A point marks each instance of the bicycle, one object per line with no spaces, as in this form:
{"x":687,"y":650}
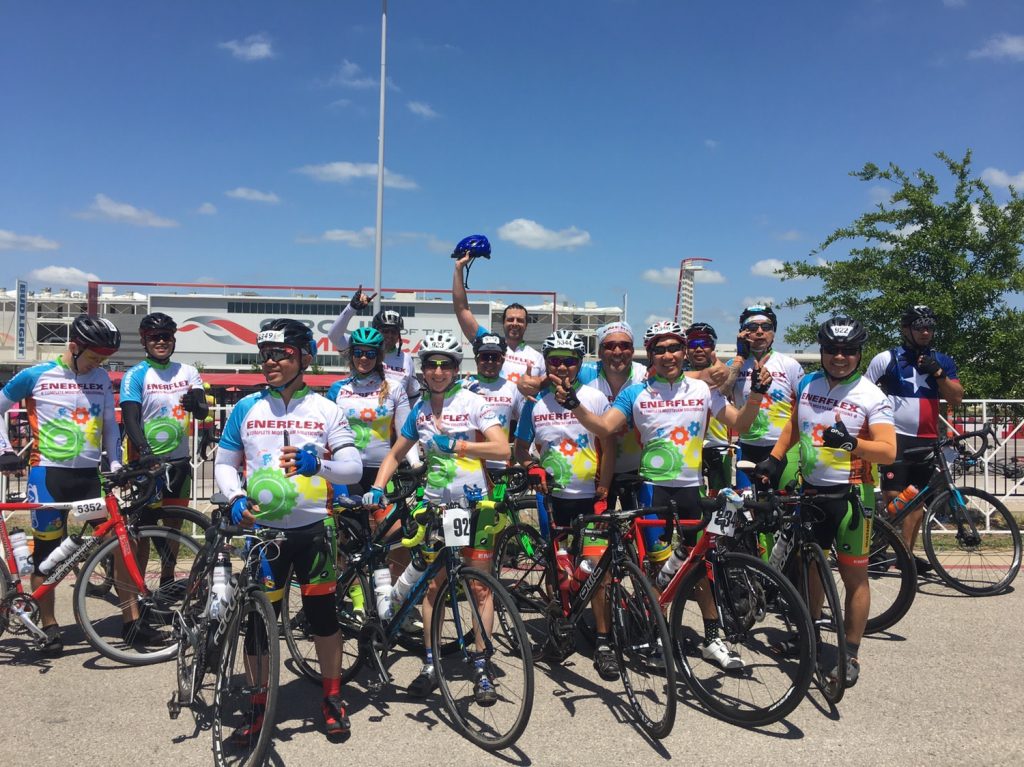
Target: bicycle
{"x":139,"y":550}
{"x":971,"y":539}
{"x":235,"y":639}
{"x":460,"y":647}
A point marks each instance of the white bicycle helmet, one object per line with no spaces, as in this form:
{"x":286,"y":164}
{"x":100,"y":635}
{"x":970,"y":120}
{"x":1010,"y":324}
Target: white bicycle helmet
{"x":664,"y":328}
{"x":564,"y":340}
{"x":440,"y":343}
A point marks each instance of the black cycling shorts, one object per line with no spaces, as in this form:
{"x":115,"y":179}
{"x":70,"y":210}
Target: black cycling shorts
{"x":687,"y":500}
{"x":898,"y":475}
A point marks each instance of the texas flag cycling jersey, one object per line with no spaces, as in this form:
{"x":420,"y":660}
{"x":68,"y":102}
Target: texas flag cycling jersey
{"x":256,"y":429}
{"x":518,"y":359}
{"x":914,"y":395}
{"x":72,"y":416}
{"x":464,"y":416}
{"x":627,"y":441}
{"x":860,"y":404}
{"x":777,"y":404}
{"x":158,"y":388}
{"x":671,"y":418}
{"x":566,"y":448}
{"x":372,"y":408}
{"x":505,"y":400}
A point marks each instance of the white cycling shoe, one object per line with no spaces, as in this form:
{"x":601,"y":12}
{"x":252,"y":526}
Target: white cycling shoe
{"x":718,"y":651}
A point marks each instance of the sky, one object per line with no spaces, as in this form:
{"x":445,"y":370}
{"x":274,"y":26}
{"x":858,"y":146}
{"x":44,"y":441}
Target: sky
{"x":595,"y":142}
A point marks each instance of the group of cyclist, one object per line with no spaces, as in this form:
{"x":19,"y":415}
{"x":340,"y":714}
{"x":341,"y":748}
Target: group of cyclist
{"x":583,"y":430}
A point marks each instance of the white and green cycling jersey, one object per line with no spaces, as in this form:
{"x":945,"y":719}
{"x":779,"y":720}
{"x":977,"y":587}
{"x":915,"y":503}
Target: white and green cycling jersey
{"x":158,"y":388}
{"x":628,"y":450}
{"x":373,"y":410}
{"x":777,"y":404}
{"x":504,"y":398}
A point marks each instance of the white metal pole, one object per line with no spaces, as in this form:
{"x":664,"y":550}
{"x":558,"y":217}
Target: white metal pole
{"x":379,"y":244}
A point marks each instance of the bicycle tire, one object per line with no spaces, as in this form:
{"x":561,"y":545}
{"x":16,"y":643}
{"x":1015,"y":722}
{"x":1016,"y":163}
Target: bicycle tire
{"x":5,"y":580}
{"x":251,"y":632}
{"x":639,"y":637}
{"x":100,"y":616}
{"x":829,"y":659}
{"x":758,"y":612}
{"x":978,"y":566}
{"x":193,"y":630}
{"x":350,"y":622}
{"x":505,"y":653}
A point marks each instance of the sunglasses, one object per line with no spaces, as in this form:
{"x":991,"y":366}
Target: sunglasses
{"x":767,"y":327}
{"x":276,"y":354}
{"x":157,"y":338}
{"x":489,"y":357}
{"x":666,"y":349}
{"x":439,"y":365}
{"x":565,"y":362}
{"x":617,"y":346}
{"x":370,"y":354}
{"x":700,"y":343}
{"x":846,"y":351}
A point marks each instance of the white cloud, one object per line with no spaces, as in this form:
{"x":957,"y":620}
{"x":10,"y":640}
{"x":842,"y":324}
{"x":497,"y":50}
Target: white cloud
{"x":68,"y":276}
{"x":711,"y":143}
{"x":351,"y":75}
{"x":253,"y":48}
{"x":709,"y":277}
{"x":207,"y":209}
{"x":650,"y":319}
{"x":361,"y":238}
{"x":767,"y":267}
{"x":343,"y":172}
{"x":104,"y":208}
{"x":666,"y":275}
{"x":11,"y":241}
{"x":530,"y":234}
{"x":433,"y":243}
{"x":997,"y":177}
{"x":790,"y":235}
{"x":756,"y":301}
{"x":422,"y":109}
{"x":1001,"y":46}
{"x":252,"y":195}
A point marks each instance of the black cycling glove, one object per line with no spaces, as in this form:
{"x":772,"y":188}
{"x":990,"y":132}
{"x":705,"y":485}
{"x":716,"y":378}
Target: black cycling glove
{"x":928,"y":365}
{"x":838,"y":438}
{"x":768,"y":471}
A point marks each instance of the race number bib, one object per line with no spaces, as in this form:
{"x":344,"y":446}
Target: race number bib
{"x":723,"y":522}
{"x":89,"y":511}
{"x":456,"y":527}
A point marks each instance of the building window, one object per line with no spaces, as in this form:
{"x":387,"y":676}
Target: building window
{"x":51,"y":333}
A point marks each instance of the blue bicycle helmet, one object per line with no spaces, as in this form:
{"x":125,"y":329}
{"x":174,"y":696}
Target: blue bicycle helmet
{"x":476,"y":245}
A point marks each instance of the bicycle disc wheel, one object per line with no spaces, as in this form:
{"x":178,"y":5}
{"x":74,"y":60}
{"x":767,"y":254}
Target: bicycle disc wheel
{"x":245,"y":695}
{"x":350,"y":598}
{"x":892,"y":576}
{"x":99,"y":613}
{"x":641,"y":642}
{"x":972,"y":541}
{"x":829,"y":630}
{"x":502,"y":655}
{"x":760,"y":612}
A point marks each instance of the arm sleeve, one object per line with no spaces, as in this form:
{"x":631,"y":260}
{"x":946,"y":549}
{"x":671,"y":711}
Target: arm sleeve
{"x":337,"y":334}
{"x":111,"y":432}
{"x":131,"y":417}
{"x":225,"y":472}
{"x":202,"y":406}
{"x":345,"y":466}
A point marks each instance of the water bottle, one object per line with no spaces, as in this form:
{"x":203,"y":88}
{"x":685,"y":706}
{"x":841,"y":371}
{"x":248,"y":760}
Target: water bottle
{"x":22,"y":555}
{"x":382,"y":589}
{"x":781,"y":548}
{"x":672,"y":564}
{"x":220,"y":594}
{"x":58,"y":555}
{"x":565,"y":570}
{"x":899,"y":503}
{"x":580,"y":576}
{"x":404,"y":584}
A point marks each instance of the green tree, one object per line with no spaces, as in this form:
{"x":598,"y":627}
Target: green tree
{"x":959,"y":253}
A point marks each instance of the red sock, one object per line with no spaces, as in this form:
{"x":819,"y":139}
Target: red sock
{"x":332,"y":686}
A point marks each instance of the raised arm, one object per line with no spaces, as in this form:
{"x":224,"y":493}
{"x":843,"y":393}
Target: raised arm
{"x":460,"y":301}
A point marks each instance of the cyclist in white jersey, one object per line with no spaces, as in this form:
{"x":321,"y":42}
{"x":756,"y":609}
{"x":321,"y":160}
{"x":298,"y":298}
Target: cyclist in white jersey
{"x":671,"y":411}
{"x":70,"y":405}
{"x":292,"y":445}
{"x":701,"y":339}
{"x":520,"y":359}
{"x":500,"y":393}
{"x":398,"y":364}
{"x":458,"y":431}
{"x":843,"y":424}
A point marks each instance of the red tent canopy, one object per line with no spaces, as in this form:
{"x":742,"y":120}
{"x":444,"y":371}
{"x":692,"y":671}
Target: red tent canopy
{"x":247,"y":380}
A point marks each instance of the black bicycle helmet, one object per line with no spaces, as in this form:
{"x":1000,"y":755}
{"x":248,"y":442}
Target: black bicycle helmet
{"x":842,"y":330}
{"x":919,"y":317}
{"x":388,"y":318}
{"x":698,"y":329}
{"x":756,"y":309}
{"x":489,"y":342}
{"x":157,"y":322}
{"x":95,"y":333}
{"x":289,"y":333}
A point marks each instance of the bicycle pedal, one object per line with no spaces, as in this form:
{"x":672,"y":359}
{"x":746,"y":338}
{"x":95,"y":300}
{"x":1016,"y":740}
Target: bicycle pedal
{"x":173,"y":707}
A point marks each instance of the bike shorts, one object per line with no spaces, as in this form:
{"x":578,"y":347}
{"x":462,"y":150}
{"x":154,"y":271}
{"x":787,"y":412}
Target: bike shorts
{"x":58,"y":485}
{"x":177,"y":491}
{"x":564,"y":510}
{"x":310,"y":553}
{"x":843,"y":522}
{"x":788,"y":469}
{"x":624,"y":493}
{"x":716,"y":465}
{"x":687,"y":500}
{"x":898,"y":475}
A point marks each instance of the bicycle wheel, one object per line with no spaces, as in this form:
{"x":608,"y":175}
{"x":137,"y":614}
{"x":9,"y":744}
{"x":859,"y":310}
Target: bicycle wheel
{"x":972,"y":541}
{"x":829,"y":630}
{"x":5,"y":580}
{"x":642,"y":646}
{"x":520,"y":565}
{"x":502,"y":654}
{"x":892,"y":575}
{"x":352,"y":592}
{"x":245,"y":695}
{"x":760,"y":611}
{"x":192,"y":631}
{"x":99,"y":614}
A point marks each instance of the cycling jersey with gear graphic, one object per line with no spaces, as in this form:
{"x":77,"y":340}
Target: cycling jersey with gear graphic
{"x":72,"y":416}
{"x":158,"y":388}
{"x":566,"y":448}
{"x":255,"y":434}
{"x":464,"y":416}
{"x":627,"y":440}
{"x":371,"y":417}
{"x":776,"y":405}
{"x":671,"y":418}
{"x":505,"y":400}
{"x":518,"y":358}
{"x":398,"y":365}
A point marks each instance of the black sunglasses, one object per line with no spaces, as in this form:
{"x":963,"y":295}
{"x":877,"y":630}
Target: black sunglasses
{"x":767,"y":327}
{"x":489,"y":357}
{"x":846,"y":351}
{"x":159,"y":337}
{"x":276,"y":353}
{"x":666,"y":349}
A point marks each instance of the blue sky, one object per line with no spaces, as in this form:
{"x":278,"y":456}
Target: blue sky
{"x":596,"y":143}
